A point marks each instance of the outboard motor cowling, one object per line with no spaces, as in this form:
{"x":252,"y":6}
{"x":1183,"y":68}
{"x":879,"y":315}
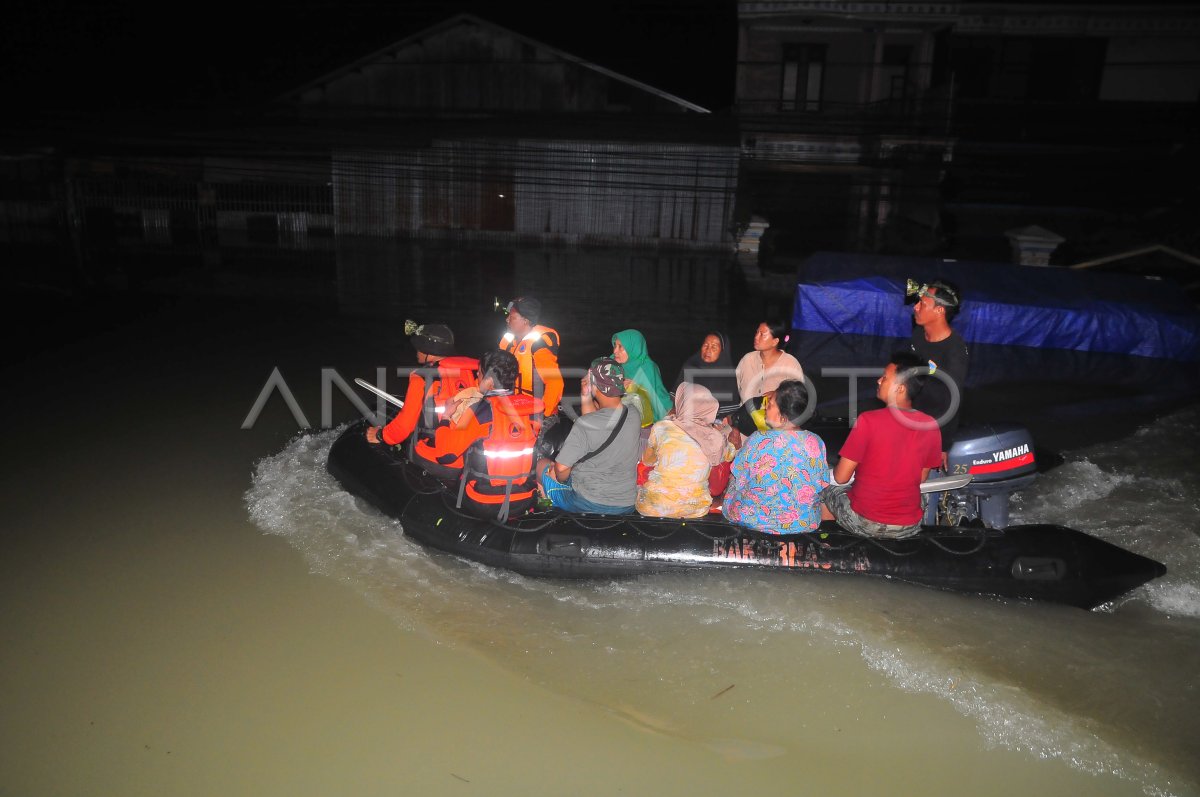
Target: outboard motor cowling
{"x":1001,"y":460}
{"x":992,"y":453}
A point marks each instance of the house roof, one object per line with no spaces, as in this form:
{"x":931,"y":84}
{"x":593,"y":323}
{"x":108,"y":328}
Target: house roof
{"x":471,"y":19}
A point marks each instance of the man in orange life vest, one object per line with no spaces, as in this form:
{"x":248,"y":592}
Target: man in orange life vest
{"x":499,"y":372}
{"x":440,"y":377}
{"x":536,"y":349}
{"x":495,"y":437}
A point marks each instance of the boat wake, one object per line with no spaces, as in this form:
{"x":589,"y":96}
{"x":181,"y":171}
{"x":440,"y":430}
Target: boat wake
{"x":721,"y":657}
{"x":1141,"y":493}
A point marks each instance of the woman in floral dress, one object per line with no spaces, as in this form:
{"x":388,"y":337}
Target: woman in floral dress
{"x":778,"y":474}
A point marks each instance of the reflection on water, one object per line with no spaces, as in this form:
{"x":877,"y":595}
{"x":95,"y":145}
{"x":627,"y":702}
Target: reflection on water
{"x":586,"y":293}
{"x":833,"y":676}
{"x":590,"y":293}
{"x":838,"y":683}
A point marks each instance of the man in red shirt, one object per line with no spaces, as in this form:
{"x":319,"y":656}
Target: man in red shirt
{"x":889,"y":453}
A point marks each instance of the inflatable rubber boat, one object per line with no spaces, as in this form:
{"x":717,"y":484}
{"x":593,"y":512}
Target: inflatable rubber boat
{"x":1037,"y":562}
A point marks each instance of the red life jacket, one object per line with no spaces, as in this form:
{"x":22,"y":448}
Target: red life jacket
{"x":498,"y":473}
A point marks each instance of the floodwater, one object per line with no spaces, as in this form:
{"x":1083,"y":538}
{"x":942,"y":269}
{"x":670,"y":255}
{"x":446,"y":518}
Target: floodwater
{"x":194,"y":607}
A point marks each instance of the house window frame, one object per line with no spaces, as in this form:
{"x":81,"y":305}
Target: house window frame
{"x":801,"y":86}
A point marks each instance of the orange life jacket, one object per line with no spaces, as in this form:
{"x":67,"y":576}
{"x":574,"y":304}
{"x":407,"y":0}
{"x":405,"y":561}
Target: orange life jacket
{"x":442,"y":383}
{"x":524,"y":349}
{"x":498,"y":472}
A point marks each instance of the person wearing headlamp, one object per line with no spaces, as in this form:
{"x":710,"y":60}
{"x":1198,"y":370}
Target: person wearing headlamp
{"x":536,"y":349}
{"x":439,"y":376}
{"x":933,"y":340}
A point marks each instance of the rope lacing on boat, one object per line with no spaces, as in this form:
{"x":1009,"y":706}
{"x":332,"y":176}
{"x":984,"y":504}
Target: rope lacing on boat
{"x":425,"y":484}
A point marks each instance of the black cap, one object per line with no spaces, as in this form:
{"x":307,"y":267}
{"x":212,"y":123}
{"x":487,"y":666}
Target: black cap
{"x":527,"y":306}
{"x":435,"y":339}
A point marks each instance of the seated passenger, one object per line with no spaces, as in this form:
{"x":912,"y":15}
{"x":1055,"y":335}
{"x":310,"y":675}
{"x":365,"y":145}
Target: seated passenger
{"x":889,"y":452}
{"x":762,"y":369}
{"x":712,"y":367}
{"x":493,"y":442}
{"x":439,"y":377}
{"x":778,"y":474}
{"x":682,"y":450}
{"x":642,"y":377}
{"x":596,"y":468}
{"x":469,"y":414}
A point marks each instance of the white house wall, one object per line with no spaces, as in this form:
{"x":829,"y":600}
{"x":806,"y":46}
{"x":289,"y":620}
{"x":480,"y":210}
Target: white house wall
{"x":564,"y":191}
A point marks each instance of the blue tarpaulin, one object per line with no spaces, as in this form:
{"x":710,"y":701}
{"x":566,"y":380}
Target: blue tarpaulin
{"x":1050,"y":308}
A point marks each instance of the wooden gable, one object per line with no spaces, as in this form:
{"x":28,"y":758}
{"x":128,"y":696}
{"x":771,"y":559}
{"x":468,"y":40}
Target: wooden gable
{"x":468,"y":65}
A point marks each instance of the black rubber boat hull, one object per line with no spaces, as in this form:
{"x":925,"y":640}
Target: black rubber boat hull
{"x":1037,"y":562}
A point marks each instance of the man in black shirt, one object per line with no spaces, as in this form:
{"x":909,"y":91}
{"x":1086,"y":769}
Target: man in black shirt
{"x":946,"y":352}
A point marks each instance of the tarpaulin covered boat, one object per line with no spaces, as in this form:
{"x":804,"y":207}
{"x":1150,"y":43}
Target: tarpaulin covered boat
{"x":1003,"y":304}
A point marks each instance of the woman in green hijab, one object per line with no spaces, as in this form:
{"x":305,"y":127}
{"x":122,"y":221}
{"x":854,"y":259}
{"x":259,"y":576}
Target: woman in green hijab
{"x":629,"y":349}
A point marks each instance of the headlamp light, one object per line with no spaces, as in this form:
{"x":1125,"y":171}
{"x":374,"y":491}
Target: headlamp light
{"x":913,"y":289}
{"x":943,"y":294}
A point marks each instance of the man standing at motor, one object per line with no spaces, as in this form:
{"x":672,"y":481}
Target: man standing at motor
{"x":935,"y":342}
{"x":536,"y":350}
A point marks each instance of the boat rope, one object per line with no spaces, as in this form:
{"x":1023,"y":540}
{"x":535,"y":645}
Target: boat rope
{"x":980,"y":539}
{"x":421,"y":482}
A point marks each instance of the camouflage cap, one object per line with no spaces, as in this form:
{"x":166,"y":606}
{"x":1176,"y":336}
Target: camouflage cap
{"x":608,"y":376}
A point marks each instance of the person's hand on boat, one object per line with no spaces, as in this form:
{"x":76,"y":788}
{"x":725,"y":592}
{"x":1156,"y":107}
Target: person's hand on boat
{"x":374,"y":434}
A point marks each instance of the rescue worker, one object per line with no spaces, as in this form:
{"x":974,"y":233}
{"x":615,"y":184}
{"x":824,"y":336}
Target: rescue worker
{"x":536,"y":349}
{"x":498,"y":377}
{"x":496,"y":437}
{"x":441,"y":376}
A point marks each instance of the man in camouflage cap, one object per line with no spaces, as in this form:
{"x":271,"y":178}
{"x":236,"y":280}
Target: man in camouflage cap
{"x":595,"y":471}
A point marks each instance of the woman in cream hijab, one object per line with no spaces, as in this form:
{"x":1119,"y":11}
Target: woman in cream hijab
{"x":682,"y":449}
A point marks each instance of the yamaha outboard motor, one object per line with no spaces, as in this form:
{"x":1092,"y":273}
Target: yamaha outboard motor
{"x":1000,"y":459}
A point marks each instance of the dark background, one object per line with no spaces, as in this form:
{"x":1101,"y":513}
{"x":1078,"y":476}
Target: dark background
{"x":69,"y":55}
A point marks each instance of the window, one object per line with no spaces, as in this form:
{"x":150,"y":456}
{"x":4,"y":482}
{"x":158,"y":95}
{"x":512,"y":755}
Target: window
{"x":803,"y":74}
{"x":896,"y":58}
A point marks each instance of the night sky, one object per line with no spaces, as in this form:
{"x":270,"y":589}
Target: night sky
{"x":67,"y":56}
